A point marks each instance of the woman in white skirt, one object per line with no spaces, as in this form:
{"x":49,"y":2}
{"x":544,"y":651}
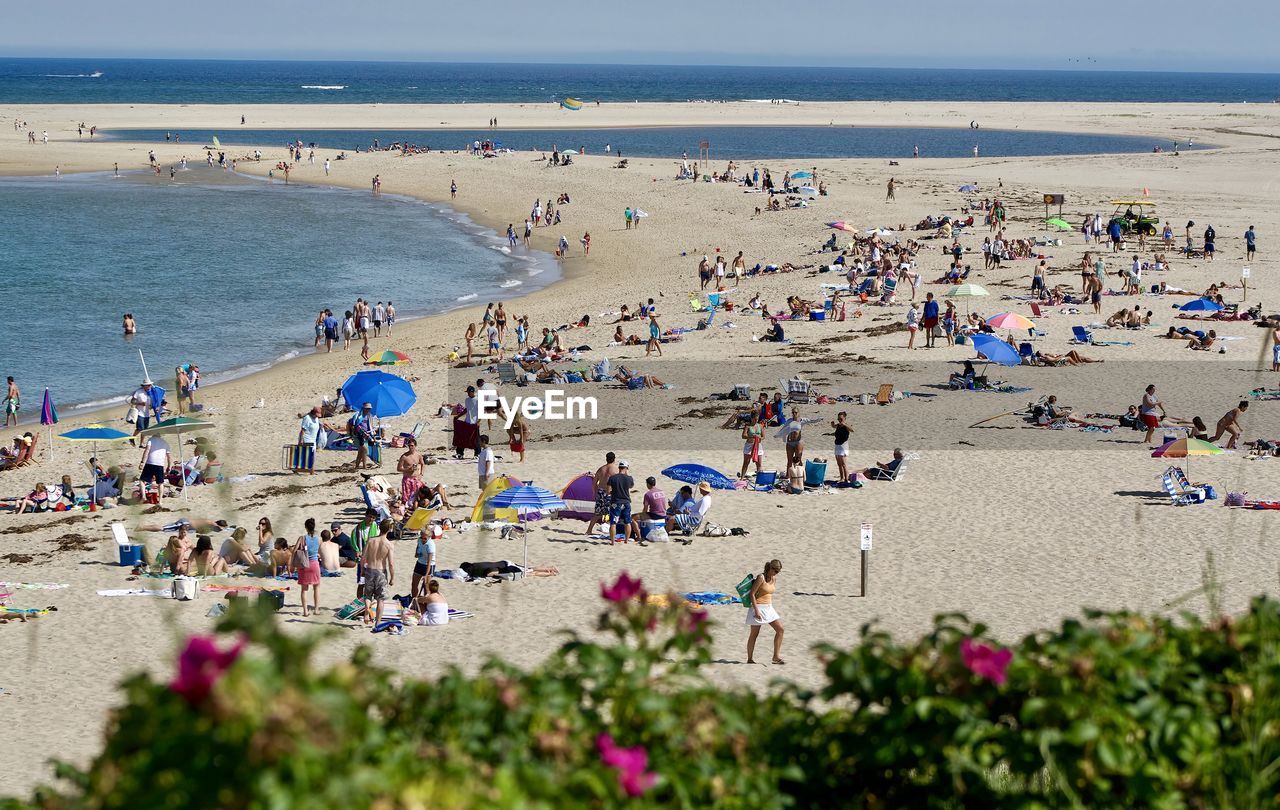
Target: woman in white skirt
{"x":762,"y":612}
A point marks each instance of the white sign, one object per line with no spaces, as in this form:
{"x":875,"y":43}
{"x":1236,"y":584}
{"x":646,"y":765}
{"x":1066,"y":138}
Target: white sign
{"x":1244,"y":272}
{"x":866,"y":537}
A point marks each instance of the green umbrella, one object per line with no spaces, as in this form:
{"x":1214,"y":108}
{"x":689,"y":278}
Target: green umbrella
{"x":968,"y":290}
{"x":1060,"y":224}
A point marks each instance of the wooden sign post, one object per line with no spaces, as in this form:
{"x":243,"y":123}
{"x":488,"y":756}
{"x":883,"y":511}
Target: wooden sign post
{"x":1244,"y":282}
{"x":864,"y":550}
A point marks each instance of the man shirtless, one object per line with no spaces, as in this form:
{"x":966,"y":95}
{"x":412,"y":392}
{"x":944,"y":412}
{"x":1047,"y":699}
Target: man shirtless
{"x":379,"y":571}
{"x":410,"y":467}
{"x":12,"y":401}
{"x":739,"y":269}
{"x":601,"y":483}
{"x":1230,"y":424}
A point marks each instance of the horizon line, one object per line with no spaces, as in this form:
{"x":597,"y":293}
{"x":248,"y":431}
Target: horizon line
{"x":461,"y":61}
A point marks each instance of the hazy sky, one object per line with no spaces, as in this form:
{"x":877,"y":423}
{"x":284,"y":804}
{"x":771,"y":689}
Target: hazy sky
{"x":1173,"y":35}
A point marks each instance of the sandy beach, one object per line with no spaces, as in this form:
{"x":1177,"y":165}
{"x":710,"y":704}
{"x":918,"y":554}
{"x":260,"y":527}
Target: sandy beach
{"x":1016,"y":525}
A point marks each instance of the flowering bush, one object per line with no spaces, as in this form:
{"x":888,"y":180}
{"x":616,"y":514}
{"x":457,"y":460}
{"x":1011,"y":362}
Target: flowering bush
{"x":1113,"y":710}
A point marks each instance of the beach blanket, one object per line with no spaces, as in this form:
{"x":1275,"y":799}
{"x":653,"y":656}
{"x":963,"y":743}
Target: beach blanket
{"x":161,"y":592}
{"x":13,"y":611}
{"x":33,"y":586}
{"x":242,"y":588}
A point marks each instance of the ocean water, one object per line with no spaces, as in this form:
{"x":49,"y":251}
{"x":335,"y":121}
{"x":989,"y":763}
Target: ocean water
{"x":169,"y":81}
{"x":221,"y":271}
{"x":743,"y":143}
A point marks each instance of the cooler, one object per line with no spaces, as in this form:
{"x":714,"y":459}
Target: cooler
{"x":130,"y":555}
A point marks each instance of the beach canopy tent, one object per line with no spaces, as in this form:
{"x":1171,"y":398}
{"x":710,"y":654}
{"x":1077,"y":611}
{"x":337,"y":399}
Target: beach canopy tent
{"x":579,"y":496}
{"x":995,"y":350}
{"x":697,"y":473}
{"x":485,"y":511}
{"x":1200,"y":305}
{"x":388,"y":394}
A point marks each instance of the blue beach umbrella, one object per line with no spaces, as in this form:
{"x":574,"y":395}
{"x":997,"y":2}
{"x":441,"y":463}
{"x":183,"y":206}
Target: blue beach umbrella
{"x":797,"y":175}
{"x":388,"y":394}
{"x":529,"y":502}
{"x":94,"y":434}
{"x":996,"y":350}
{"x":697,"y":473}
{"x":1200,"y":305}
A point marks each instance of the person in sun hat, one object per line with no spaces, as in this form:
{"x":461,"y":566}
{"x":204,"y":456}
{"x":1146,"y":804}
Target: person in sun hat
{"x":693,"y":513}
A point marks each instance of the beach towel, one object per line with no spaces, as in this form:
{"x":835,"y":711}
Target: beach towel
{"x":164,"y":593}
{"x":32,"y":586}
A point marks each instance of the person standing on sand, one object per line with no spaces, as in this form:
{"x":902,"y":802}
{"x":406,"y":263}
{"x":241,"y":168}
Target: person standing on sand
{"x":528,"y":231}
{"x":889,"y":196}
{"x":360,"y":429}
{"x":655,"y":336}
{"x":1147,"y":412}
{"x":379,"y":571}
{"x":1275,"y":348}
{"x":391,"y":317}
{"x":326,"y":167}
{"x":930,"y":319}
{"x":762,"y":611}
{"x":453,"y":189}
{"x":1250,"y":244}
{"x":306,"y":557}
{"x":601,"y":483}
{"x":752,"y":447}
{"x":518,"y":435}
{"x":410,"y":468}
{"x":842,"y":445}
{"x":485,"y":467}
{"x":12,"y":401}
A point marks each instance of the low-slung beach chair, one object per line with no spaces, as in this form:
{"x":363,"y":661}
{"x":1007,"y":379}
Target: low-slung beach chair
{"x":798,"y":390}
{"x":1179,"y":489}
{"x":507,"y":374}
{"x":885,"y":395}
{"x":879,"y":474}
{"x":1027,"y":354}
{"x":1037,"y":311}
{"x":1081,"y":335}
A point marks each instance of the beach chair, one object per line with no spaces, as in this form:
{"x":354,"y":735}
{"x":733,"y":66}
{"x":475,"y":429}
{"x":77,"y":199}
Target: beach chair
{"x":416,"y":433}
{"x":380,"y":508}
{"x":888,"y":289}
{"x":1027,"y":354}
{"x":20,"y":459}
{"x":885,"y":395}
{"x":1180,"y":493}
{"x":765,"y":481}
{"x":798,"y":390}
{"x":507,"y":374}
{"x":30,"y":457}
{"x":1081,"y":335}
{"x":1037,"y":311}
{"x":815,"y":473}
{"x":877,"y":474}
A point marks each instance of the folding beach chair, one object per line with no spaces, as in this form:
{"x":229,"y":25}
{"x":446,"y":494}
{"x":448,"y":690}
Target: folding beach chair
{"x":877,"y":474}
{"x":507,"y":374}
{"x":1027,"y":354}
{"x":885,"y":395}
{"x":765,"y":481}
{"x":1081,"y":335}
{"x":1180,"y":494}
{"x":798,"y":390}
{"x":1037,"y":311}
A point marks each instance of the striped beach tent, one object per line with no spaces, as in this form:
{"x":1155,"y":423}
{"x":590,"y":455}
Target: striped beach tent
{"x":571,"y":104}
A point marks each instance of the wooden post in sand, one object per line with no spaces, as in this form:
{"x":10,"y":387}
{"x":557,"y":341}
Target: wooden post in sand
{"x":1244,"y":282}
{"x":864,"y":551}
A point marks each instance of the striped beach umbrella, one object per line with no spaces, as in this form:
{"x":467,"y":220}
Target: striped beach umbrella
{"x":388,"y":357}
{"x":527,"y":500}
{"x":48,"y":418}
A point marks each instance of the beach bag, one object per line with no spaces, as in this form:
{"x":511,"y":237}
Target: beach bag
{"x":1235,"y":499}
{"x":131,"y":415}
{"x":714,"y":530}
{"x":658,"y":534}
{"x":744,"y":589}
{"x":184,"y":589}
{"x":273,"y":598}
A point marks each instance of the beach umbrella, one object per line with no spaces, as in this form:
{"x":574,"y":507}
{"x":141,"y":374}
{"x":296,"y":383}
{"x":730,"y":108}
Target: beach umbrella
{"x":1185,"y":448}
{"x":1200,"y":305}
{"x":841,"y":225}
{"x":94,"y":434}
{"x":638,"y":214}
{"x":388,"y":357}
{"x":883,"y":233}
{"x":969,"y":188}
{"x":798,"y":175}
{"x":1060,"y":224}
{"x":1010,"y":320}
{"x":995,"y":350}
{"x":388,"y":394}
{"x":177,"y":425}
{"x":697,"y":473}
{"x":966,"y":291}
{"x":809,"y":190}
{"x":571,"y":104}
{"x":48,"y":418}
{"x":528,"y":501}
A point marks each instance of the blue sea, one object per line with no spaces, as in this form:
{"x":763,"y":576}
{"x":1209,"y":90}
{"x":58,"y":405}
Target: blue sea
{"x":221,"y":271}
{"x":738,"y":143}
{"x":168,"y":81}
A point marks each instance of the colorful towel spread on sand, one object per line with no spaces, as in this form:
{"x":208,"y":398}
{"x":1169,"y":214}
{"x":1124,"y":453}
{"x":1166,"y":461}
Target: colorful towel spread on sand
{"x":13,"y":611}
{"x":693,"y":599}
{"x":33,"y":586}
{"x":160,"y":592}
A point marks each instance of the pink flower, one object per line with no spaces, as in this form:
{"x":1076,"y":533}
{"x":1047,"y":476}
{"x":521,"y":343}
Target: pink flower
{"x":986,"y":661}
{"x":630,"y":763}
{"x":623,"y":589}
{"x":200,"y":666}
{"x":695,"y":622}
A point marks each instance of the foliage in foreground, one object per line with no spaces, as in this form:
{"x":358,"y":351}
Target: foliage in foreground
{"x":1112,"y":710}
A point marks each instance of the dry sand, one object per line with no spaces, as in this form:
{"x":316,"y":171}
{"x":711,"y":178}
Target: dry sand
{"x":1014,"y":525}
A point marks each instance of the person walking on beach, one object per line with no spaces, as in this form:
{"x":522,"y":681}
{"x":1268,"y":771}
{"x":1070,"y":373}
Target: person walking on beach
{"x":762,"y":611}
{"x":306,"y":558}
{"x":485,"y":467}
{"x":1275,"y":348}
{"x":1147,"y":412}
{"x":655,"y":336}
{"x":889,"y":196}
{"x":586,"y":244}
{"x":1230,"y":424}
{"x":391,"y":317}
{"x":1250,"y":244}
{"x":528,"y":231}
{"x":309,"y":438}
{"x":326,"y":167}
{"x":12,"y":401}
{"x":453,"y":189}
